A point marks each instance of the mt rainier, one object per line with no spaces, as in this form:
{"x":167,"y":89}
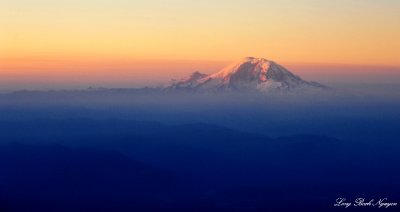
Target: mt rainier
{"x":247,"y":74}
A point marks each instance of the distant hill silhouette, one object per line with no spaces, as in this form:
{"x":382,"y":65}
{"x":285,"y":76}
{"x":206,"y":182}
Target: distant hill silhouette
{"x":121,"y":165}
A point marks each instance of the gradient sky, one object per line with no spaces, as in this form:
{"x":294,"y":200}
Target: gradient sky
{"x":122,"y":41}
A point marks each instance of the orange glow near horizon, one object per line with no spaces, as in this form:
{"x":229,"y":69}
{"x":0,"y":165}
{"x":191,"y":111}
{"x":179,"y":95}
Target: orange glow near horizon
{"x":155,"y":39}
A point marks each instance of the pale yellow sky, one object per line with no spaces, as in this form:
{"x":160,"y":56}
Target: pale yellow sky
{"x":42,"y":36}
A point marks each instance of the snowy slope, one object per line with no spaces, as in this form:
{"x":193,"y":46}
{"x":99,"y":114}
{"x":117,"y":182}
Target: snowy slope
{"x":247,"y":74}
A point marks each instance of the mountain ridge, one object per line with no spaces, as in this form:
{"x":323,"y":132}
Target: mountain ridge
{"x":249,"y":73}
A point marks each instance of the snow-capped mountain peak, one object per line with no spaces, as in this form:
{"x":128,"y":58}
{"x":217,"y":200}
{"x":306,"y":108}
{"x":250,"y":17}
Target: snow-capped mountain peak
{"x":249,"y":73}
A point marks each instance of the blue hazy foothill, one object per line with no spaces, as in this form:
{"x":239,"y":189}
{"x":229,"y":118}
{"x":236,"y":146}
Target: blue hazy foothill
{"x":152,"y":150}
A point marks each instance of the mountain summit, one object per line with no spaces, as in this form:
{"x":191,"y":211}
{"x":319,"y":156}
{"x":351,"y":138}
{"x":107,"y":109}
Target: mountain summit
{"x":250,"y":73}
